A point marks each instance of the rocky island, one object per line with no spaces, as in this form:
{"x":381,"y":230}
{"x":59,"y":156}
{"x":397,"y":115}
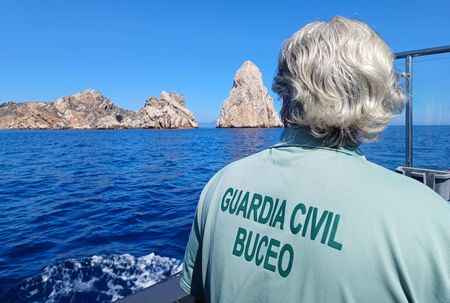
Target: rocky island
{"x":91,"y":110}
{"x":249,"y":103}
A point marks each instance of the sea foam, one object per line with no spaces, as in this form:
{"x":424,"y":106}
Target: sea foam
{"x":97,"y":278}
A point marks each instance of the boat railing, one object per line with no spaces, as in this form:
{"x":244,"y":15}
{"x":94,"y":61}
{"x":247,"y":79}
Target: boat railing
{"x":408,"y":75}
{"x":439,"y":181}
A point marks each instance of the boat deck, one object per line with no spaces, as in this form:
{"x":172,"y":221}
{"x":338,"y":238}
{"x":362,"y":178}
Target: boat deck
{"x":164,"y":292}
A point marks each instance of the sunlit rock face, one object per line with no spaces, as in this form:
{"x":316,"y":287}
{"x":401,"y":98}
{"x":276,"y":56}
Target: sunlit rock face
{"x":30,"y":115}
{"x":249,"y":103}
{"x":91,"y":110}
{"x":168,"y":111}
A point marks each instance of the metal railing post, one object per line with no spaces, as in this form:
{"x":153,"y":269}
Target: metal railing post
{"x":409,"y":112}
{"x":408,"y":55}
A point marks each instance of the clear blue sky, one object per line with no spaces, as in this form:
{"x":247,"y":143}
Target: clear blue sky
{"x":130,"y":50}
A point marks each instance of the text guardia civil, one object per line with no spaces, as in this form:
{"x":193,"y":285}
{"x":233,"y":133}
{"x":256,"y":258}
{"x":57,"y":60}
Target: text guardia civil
{"x":266,"y":251}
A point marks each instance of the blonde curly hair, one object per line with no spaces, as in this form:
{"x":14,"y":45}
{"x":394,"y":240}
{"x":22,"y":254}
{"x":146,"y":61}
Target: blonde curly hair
{"x":336,"y":78}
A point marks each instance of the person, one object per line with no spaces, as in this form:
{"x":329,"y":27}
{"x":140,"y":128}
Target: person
{"x":310,"y":219}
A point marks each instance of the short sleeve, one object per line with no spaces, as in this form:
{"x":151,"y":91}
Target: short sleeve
{"x":191,"y":278}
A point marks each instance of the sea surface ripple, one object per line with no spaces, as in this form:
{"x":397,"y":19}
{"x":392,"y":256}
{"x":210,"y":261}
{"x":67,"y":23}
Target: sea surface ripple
{"x":95,"y":215}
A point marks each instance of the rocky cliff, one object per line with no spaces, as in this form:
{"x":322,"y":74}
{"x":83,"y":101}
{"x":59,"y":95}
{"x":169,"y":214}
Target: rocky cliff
{"x":249,"y":103}
{"x":91,"y":110}
{"x":32,"y":115}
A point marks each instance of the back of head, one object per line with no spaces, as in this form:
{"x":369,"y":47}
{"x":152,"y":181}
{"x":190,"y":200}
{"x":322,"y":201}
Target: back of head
{"x":337,"y":79}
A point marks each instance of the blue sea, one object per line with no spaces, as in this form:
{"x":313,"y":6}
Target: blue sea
{"x":95,"y":215}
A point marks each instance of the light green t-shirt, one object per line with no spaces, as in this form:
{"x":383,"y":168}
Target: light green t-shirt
{"x":300,"y":222}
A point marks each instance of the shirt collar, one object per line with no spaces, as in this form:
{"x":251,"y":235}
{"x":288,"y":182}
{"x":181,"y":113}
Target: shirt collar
{"x":300,"y":137}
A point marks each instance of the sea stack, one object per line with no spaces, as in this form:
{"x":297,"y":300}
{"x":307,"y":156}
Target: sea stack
{"x":168,"y":112}
{"x":249,"y":103}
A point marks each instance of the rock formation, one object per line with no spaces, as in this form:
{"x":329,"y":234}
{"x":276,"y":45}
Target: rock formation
{"x":91,"y":110}
{"x":167,"y":112}
{"x":249,"y":103}
{"x":32,"y":115}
